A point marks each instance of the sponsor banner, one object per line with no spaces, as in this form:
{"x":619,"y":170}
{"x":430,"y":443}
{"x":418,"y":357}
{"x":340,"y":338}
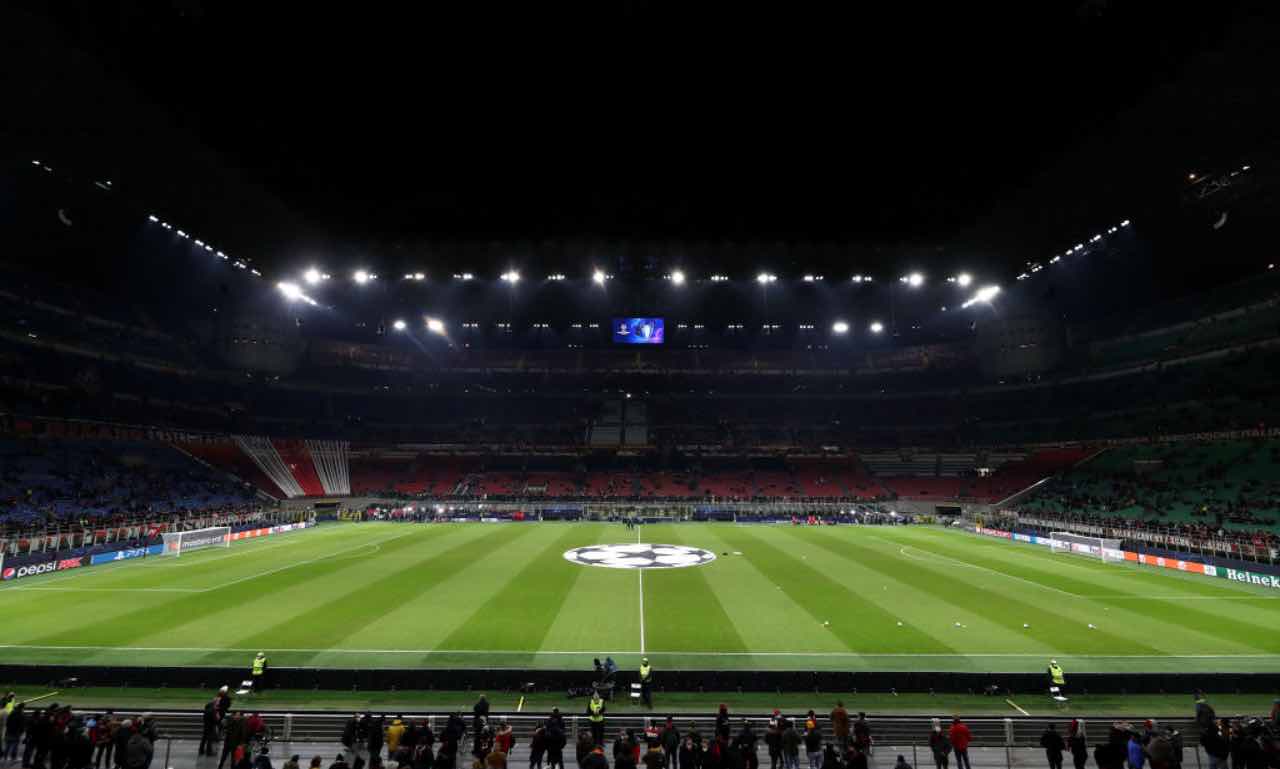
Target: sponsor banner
{"x":119,"y":555}
{"x":1024,"y":538}
{"x":248,"y":534}
{"x":193,"y":542}
{"x":994,"y":532}
{"x":1250,"y":578}
{"x":44,"y":567}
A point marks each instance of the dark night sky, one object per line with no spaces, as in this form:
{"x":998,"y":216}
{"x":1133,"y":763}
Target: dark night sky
{"x":996,"y":132}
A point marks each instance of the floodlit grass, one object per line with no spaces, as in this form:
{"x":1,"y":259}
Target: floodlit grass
{"x":473,"y":595}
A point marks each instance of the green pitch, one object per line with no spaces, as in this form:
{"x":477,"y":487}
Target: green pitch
{"x":776,"y":597}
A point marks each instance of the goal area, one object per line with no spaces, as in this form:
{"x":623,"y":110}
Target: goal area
{"x":178,"y":542}
{"x":1101,"y":548}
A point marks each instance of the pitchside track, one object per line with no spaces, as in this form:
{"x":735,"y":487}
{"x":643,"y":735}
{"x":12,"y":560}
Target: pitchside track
{"x":774,"y":597}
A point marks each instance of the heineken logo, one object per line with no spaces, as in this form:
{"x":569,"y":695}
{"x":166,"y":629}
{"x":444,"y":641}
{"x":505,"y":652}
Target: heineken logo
{"x":639,"y":556}
{"x":1265,"y":580}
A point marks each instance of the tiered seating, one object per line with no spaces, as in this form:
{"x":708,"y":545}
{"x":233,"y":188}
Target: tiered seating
{"x":227,"y":456}
{"x":48,"y":479}
{"x":298,"y":459}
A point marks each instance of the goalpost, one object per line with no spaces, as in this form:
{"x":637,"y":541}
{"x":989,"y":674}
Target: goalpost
{"x":178,"y":542}
{"x":1094,"y":547}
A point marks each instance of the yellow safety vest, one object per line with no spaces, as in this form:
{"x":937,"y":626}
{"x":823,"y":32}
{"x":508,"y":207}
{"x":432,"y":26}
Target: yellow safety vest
{"x":1055,"y":672}
{"x":597,"y":710}
{"x":259,"y":665}
{"x":644,"y":673}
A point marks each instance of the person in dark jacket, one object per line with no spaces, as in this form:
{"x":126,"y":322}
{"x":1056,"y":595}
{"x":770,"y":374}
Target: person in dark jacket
{"x":688,"y":758}
{"x":791,"y":742}
{"x":1077,"y":745}
{"x":902,"y":763}
{"x":1112,"y":753}
{"x":669,"y":738}
{"x":813,"y":745}
{"x":209,"y":729}
{"x":654,"y":758}
{"x":1215,"y":746}
{"x":79,"y":748}
{"x":745,"y":743}
{"x":121,"y":738}
{"x":537,"y":746}
{"x":595,"y":758}
{"x":939,"y":745}
{"x":624,"y":750}
{"x":479,"y":713}
{"x":233,"y":736}
{"x":1053,"y":746}
{"x":138,"y":751}
{"x":862,"y":734}
{"x":722,"y":722}
{"x":340,"y":763}
{"x":557,"y":738}
{"x":830,"y":758}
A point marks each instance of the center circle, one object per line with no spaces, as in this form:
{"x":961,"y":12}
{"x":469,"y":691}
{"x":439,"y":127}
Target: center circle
{"x":639,"y":556}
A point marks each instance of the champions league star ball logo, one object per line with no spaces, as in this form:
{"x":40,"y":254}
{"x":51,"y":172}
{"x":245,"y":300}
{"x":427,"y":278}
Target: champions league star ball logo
{"x":640,"y":556}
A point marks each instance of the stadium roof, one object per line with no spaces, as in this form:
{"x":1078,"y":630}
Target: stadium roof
{"x":989,"y":134}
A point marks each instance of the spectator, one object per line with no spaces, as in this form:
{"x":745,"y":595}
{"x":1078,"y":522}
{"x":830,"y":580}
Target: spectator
{"x":1137,"y":757}
{"x":670,"y":739}
{"x":654,"y":758}
{"x":960,"y":739}
{"x":1053,"y":746}
{"x":595,"y":758}
{"x":862,"y":734}
{"x":813,"y":743}
{"x":537,"y":746}
{"x":233,"y":736}
{"x":504,"y":739}
{"x":830,"y":759}
{"x":1077,"y":745}
{"x":902,"y":763}
{"x":556,"y":740}
{"x":773,"y":740}
{"x":688,"y":758}
{"x":1112,"y":753}
{"x":745,"y":747}
{"x":1215,"y":744}
{"x":840,"y":725}
{"x":139,"y":750}
{"x":292,"y":763}
{"x":722,"y":722}
{"x":395,"y":733}
{"x":939,"y":745}
{"x":791,"y":741}
{"x":340,"y":763}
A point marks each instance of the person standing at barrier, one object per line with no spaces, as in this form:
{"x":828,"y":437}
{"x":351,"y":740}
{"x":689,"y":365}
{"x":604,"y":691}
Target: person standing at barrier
{"x":773,"y":740}
{"x":688,"y":758}
{"x":1077,"y":744}
{"x":862,"y":733}
{"x":557,"y":738}
{"x":939,"y":745}
{"x":669,"y":737}
{"x":595,"y":713}
{"x":813,"y":743}
{"x":960,"y":739}
{"x":791,"y":741}
{"x":537,"y":746}
{"x":746,"y":745}
{"x":840,"y":725}
{"x":1053,"y":746}
{"x":104,"y":740}
{"x":15,"y":727}
{"x":208,"y":729}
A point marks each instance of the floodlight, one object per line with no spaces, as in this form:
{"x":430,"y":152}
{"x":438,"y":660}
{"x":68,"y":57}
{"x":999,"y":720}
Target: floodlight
{"x":291,"y":291}
{"x":840,"y":327}
{"x":915,"y":280}
{"x":876,"y":327}
{"x":399,"y":325}
{"x":361,"y":277}
{"x":511,"y":276}
{"x":964,"y":279}
{"x":677,"y":277}
{"x":435,"y":325}
{"x":153,"y":217}
{"x":765,"y":278}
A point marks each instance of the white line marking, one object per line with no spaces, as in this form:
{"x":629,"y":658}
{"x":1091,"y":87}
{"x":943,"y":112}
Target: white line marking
{"x":1014,"y":705}
{"x":640,"y":572}
{"x":903,"y":550}
{"x":329,"y":556}
{"x":111,"y":589}
{"x":532,"y":652}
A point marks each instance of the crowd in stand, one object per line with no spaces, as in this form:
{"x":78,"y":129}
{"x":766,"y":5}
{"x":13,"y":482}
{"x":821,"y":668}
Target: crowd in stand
{"x":56,"y":737}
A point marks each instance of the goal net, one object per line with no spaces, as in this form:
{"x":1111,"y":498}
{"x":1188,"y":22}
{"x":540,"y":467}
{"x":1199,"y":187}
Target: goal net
{"x":1094,"y":547}
{"x":178,"y":542}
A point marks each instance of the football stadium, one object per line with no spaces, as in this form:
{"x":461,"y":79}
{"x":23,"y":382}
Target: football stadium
{"x":601,"y":385}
